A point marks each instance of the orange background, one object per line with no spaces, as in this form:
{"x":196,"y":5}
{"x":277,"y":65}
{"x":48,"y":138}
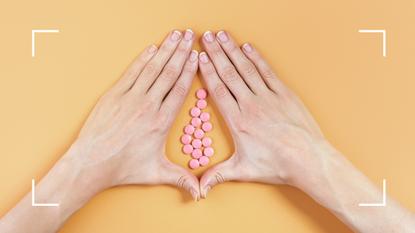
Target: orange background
{"x":363,"y":102}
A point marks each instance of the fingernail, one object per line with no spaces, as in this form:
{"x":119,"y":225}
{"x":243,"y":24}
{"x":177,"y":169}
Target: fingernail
{"x":188,"y":35}
{"x":207,"y":189}
{"x":203,"y":57}
{"x":222,"y":36}
{"x":247,"y":47}
{"x":209,"y":36}
{"x":175,"y":36}
{"x":152,"y":49}
{"x":193,"y":55}
{"x":194,"y":194}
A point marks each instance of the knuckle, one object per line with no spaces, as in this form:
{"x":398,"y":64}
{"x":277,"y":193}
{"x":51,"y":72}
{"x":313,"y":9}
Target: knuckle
{"x":181,"y":49}
{"x":233,"y":48}
{"x":220,"y":91}
{"x":229,"y":74}
{"x":219,"y":177}
{"x":130,"y":73}
{"x":208,"y":72}
{"x":217,"y":51}
{"x":248,"y":70}
{"x":150,"y":70}
{"x":239,"y":123}
{"x":165,"y":49}
{"x":181,"y":182}
{"x":160,"y":123}
{"x":169,"y":73}
{"x":269,"y":74}
{"x":179,"y":91}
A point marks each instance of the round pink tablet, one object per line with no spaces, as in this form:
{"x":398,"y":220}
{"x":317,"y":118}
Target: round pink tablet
{"x":189,"y":129}
{"x":199,"y":133}
{"x":196,"y":143}
{"x":208,"y":151}
{"x":186,"y":139}
{"x":194,"y":163}
{"x":201,"y":94}
{"x":197,"y":153}
{"x":187,"y":149}
{"x":195,"y":112}
{"x":196,"y":122}
{"x":202,"y":104}
{"x":204,"y":160}
{"x":207,"y":126}
{"x":207,"y":141}
{"x":205,"y":116}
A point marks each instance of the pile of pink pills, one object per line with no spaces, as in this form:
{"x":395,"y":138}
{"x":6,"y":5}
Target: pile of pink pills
{"x":193,"y":145}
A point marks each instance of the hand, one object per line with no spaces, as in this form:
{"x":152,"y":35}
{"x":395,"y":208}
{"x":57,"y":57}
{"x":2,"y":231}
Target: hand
{"x":124,"y":138}
{"x":276,"y":139}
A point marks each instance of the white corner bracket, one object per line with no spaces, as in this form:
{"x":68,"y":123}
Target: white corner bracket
{"x":384,"y":197}
{"x":39,"y":204}
{"x":33,"y":38}
{"x":378,"y":31}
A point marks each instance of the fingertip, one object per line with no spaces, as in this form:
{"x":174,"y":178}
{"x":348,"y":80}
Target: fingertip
{"x":152,"y":49}
{"x":247,"y":48}
{"x":203,"y":57}
{"x":194,"y":55}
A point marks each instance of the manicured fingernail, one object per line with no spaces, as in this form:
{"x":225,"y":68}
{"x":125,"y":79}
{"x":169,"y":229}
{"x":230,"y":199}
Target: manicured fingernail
{"x":152,"y":49}
{"x":175,"y":36}
{"x":207,"y":189}
{"x":209,"y":36}
{"x":247,"y":47}
{"x":222,"y":36}
{"x":194,"y":194}
{"x":203,"y":57}
{"x":188,"y":35}
{"x":193,"y":55}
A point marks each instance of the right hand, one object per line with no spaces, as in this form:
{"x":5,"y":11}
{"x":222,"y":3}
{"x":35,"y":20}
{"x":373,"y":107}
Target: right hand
{"x":276,"y":139}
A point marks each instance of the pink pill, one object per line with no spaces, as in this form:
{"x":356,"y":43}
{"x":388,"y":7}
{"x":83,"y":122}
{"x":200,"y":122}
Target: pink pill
{"x":186,"y":139}
{"x":201,"y":104}
{"x":187,"y":149}
{"x":196,"y":122}
{"x":197,"y":153}
{"x":206,"y":141}
{"x":194,"y":163}
{"x":189,"y":129}
{"x":201,"y":94}
{"x":199,"y":133}
{"x":207,"y":126}
{"x":204,"y":160}
{"x":195,"y":112}
{"x":205,"y":116}
{"x":208,"y":151}
{"x":196,"y":143}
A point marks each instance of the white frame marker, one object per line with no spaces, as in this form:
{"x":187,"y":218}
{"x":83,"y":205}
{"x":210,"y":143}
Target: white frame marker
{"x":33,"y":38}
{"x":33,"y":198}
{"x":384,"y":197}
{"x":378,"y":31}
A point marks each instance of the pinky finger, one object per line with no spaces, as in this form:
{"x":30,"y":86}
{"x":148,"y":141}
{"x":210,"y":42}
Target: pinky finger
{"x":264,"y":68}
{"x":129,"y":77}
{"x":178,"y":94}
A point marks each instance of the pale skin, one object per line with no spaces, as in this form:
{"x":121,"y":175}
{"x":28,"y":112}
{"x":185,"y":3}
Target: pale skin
{"x":276,"y":140}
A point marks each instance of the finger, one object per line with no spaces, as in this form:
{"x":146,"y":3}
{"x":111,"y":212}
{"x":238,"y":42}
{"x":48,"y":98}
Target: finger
{"x":130,"y":75}
{"x":267,"y":73}
{"x":173,"y":67}
{"x":244,"y":66}
{"x":220,"y":93}
{"x":175,"y":99}
{"x":153,"y":68}
{"x":224,"y":67}
{"x":181,"y":177}
{"x":225,"y":171}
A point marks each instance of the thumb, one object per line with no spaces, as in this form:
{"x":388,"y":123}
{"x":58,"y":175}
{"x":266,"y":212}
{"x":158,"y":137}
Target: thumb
{"x":179,"y":176}
{"x":219,"y":173}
